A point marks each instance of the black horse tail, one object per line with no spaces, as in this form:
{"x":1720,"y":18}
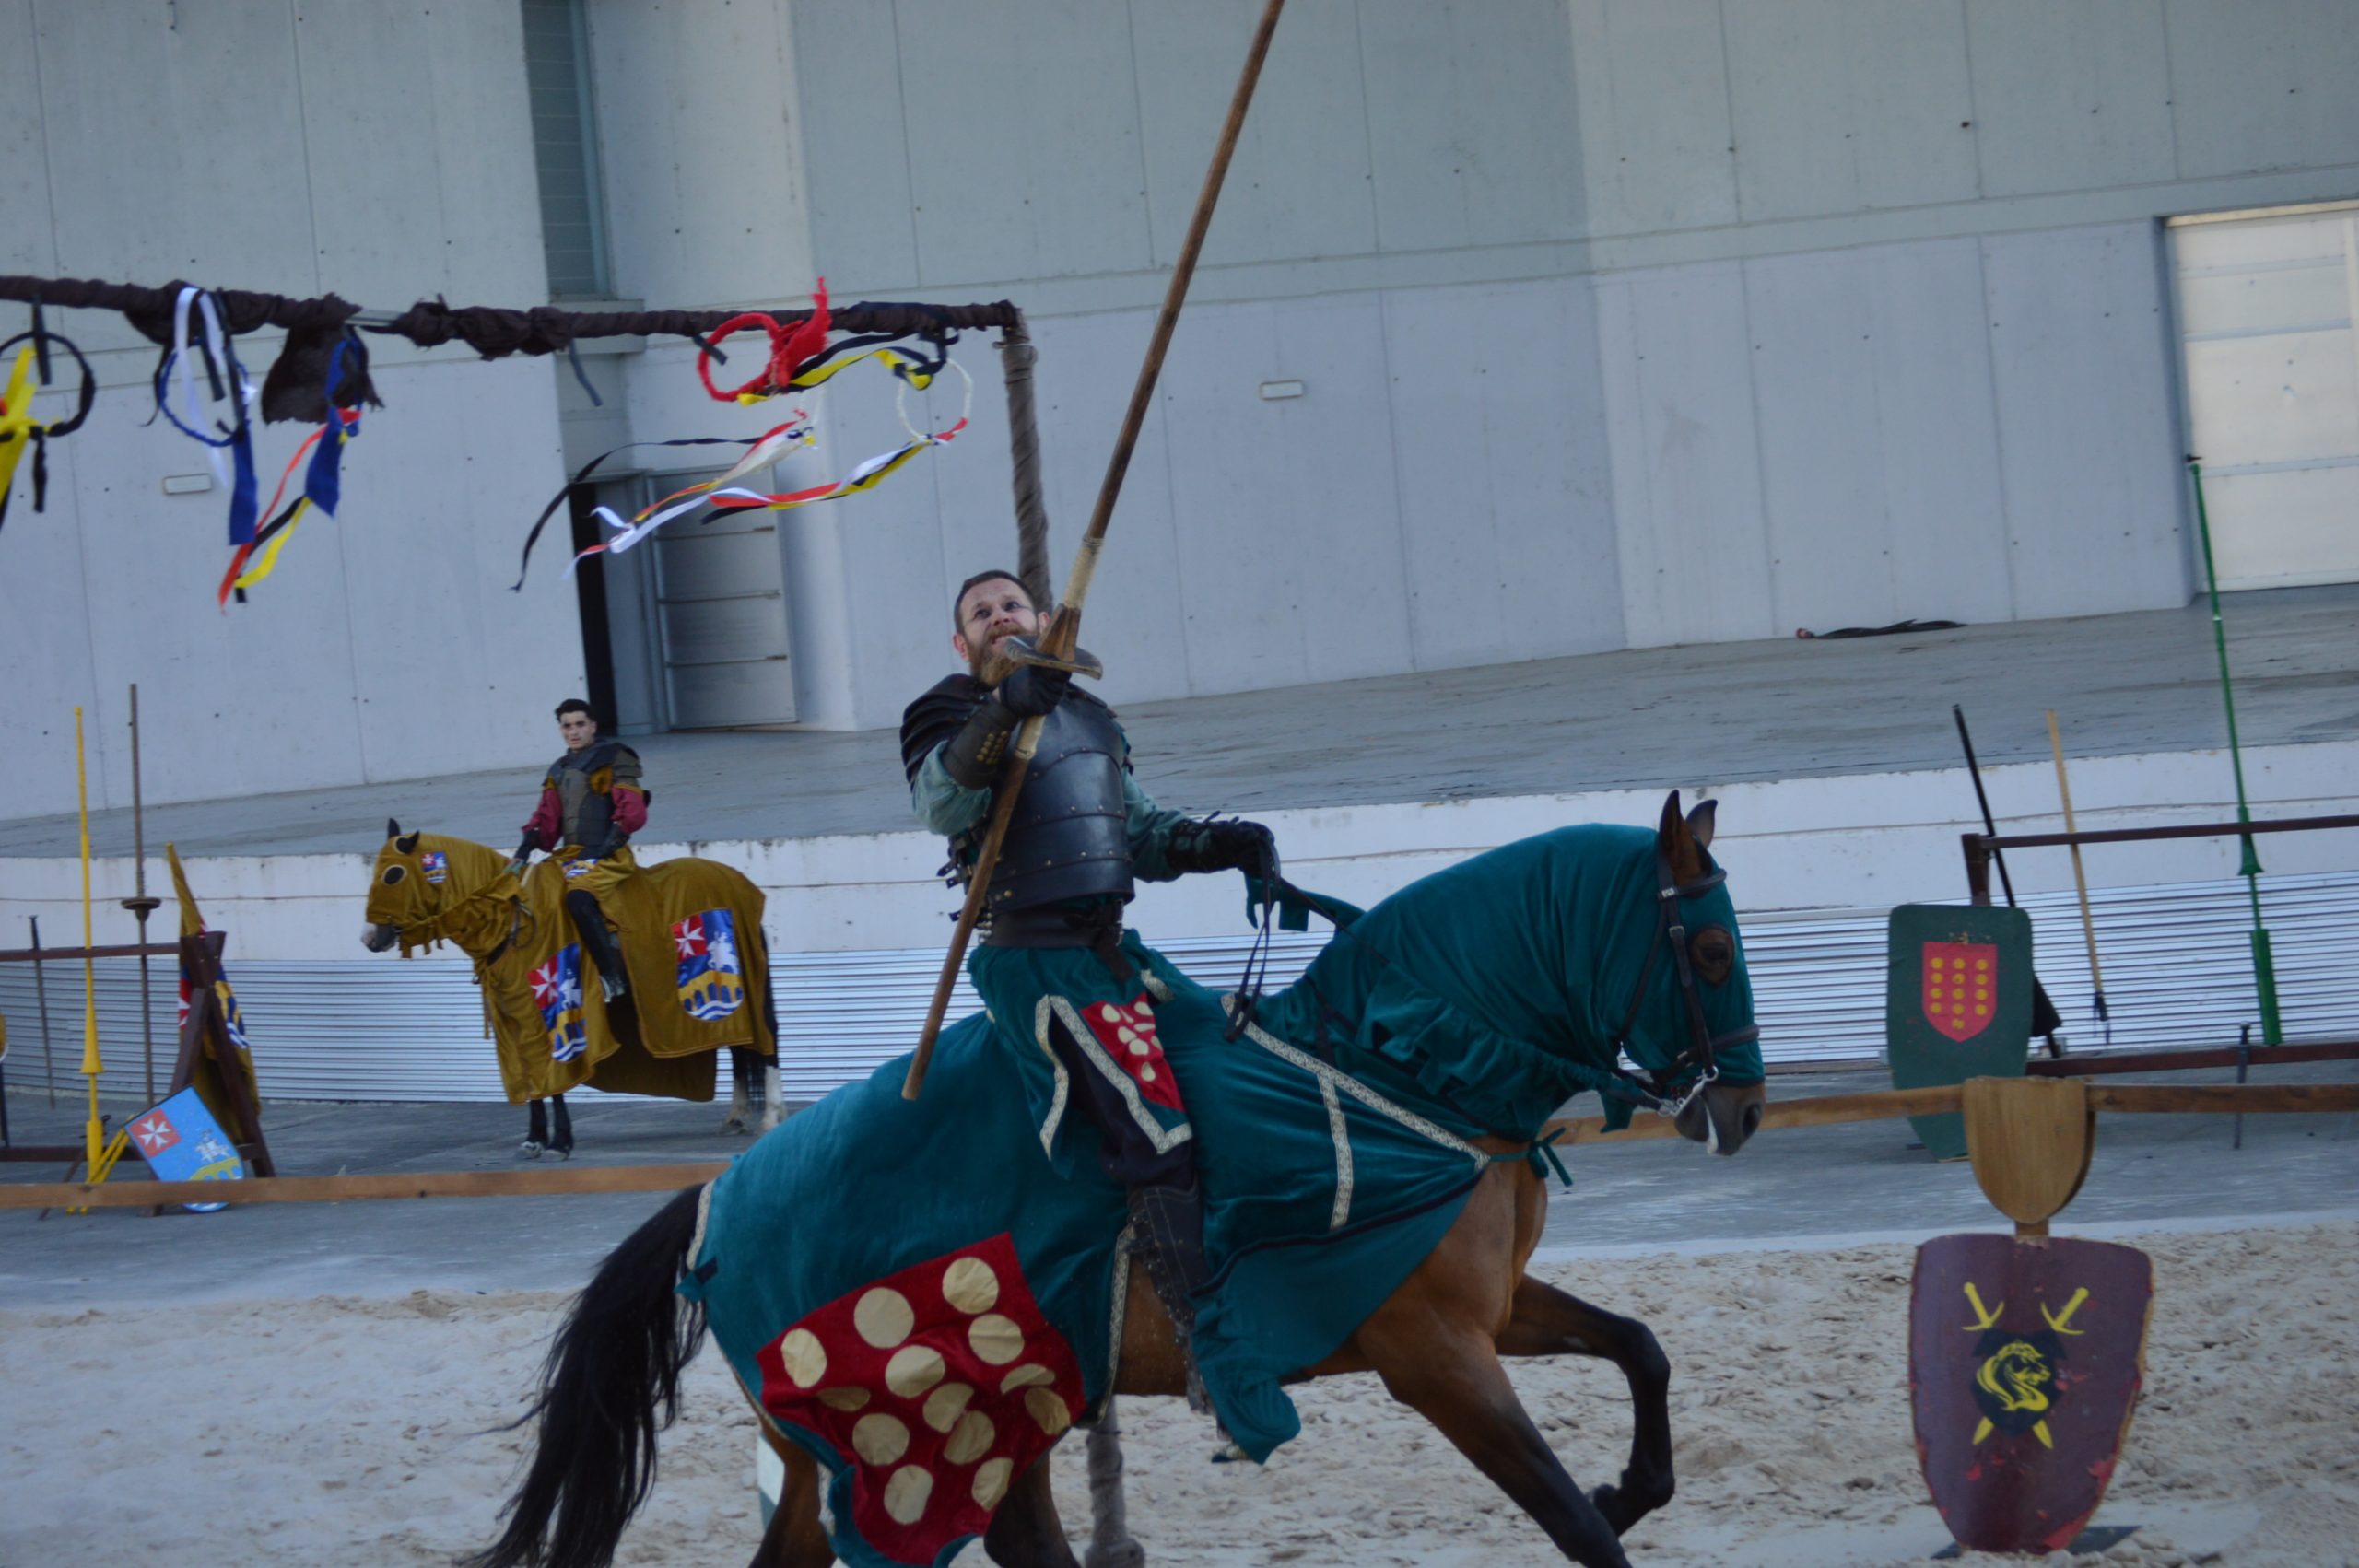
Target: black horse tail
{"x":616,"y":1362}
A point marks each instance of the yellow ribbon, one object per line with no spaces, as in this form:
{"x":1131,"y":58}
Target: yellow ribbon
{"x":16,"y":417}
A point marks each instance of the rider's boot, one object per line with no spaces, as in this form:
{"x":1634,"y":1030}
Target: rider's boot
{"x":1167,"y":1235}
{"x":598,"y":940}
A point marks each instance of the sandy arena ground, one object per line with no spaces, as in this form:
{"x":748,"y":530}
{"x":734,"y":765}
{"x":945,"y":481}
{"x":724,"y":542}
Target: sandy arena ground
{"x":345,"y":1431}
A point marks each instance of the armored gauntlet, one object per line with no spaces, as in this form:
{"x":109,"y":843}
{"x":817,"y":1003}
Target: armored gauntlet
{"x":1216,"y":845}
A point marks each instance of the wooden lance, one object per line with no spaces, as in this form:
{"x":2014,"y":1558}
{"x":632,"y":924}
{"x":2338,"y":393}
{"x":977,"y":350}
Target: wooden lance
{"x":1058,"y":645}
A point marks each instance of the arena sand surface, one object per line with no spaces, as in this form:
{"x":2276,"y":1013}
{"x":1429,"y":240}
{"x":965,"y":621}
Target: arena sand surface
{"x":353,"y":1431}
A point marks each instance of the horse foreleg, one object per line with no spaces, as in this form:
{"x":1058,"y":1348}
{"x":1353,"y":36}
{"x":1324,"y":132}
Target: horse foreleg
{"x":1025,"y":1531}
{"x":1111,"y":1545}
{"x":1548,"y":1322}
{"x":794,"y":1539}
{"x":536,"y":1131}
{"x":1449,"y":1374}
{"x":738,"y":1107}
{"x":562,"y":1129}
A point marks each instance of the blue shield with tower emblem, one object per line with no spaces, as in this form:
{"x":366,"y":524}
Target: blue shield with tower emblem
{"x":711,"y":984}
{"x":556,"y":987}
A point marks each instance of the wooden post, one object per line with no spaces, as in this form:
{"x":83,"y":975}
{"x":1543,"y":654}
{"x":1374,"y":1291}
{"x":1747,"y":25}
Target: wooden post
{"x":40,"y":998}
{"x":139,"y":904}
{"x":2030,"y":1140}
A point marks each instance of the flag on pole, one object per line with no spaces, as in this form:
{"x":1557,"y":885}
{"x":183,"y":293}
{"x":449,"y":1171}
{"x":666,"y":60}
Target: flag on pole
{"x":204,"y":1074}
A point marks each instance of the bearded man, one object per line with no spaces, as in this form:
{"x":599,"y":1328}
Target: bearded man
{"x":592,"y":799}
{"x":1072,"y":994}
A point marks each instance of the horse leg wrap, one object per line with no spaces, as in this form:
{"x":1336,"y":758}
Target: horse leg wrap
{"x":589,"y":922}
{"x":1167,"y":1235}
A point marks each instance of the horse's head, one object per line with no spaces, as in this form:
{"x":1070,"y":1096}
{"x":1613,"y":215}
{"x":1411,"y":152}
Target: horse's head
{"x":1690,"y":1018}
{"x":399,"y":893}
{"x":418,"y":878}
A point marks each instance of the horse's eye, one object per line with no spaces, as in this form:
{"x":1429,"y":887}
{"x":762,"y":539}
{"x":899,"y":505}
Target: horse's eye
{"x":395,"y":874}
{"x":1714,"y":951}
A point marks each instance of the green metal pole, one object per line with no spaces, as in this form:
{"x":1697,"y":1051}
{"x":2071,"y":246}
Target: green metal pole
{"x":2264,"y":966}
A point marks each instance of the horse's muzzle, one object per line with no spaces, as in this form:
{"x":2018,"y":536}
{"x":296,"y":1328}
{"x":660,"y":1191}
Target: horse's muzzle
{"x":1724,"y":1115}
{"x":377,"y":938}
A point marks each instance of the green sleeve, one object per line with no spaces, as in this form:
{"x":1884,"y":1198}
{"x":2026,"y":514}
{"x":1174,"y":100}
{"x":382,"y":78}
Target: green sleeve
{"x":943,"y":803}
{"x":1150,"y":830}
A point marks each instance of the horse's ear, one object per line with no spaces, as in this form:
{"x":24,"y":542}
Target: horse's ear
{"x":1699,"y":822}
{"x":1677,"y":842}
{"x":406,"y":846}
{"x":392,"y":829}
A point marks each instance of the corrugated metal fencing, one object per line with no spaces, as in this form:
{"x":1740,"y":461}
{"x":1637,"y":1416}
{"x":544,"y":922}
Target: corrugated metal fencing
{"x":2176,"y":959}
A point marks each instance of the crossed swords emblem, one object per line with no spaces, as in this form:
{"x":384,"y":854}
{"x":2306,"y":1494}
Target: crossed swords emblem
{"x":2014,"y":1378}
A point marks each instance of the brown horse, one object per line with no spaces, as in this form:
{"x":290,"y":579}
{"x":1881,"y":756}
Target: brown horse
{"x":1437,"y":1342}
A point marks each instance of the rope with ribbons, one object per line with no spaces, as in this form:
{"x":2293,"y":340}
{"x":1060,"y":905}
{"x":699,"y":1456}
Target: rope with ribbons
{"x":799,"y":359}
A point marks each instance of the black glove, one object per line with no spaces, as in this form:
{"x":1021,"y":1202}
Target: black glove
{"x":1032,"y":692}
{"x":973,"y":755}
{"x":524,"y":851}
{"x":1216,"y":845}
{"x":613,"y":842}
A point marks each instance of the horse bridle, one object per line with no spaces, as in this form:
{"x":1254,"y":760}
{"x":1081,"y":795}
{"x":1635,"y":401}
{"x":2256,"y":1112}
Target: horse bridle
{"x":1662,"y":1091}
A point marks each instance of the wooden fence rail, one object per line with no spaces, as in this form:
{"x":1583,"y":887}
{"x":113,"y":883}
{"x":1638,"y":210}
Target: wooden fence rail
{"x":1825,"y":1110}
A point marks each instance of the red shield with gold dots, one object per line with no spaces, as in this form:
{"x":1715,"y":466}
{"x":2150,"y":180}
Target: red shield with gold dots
{"x":1126,"y":1030}
{"x":938,"y":1385}
{"x":1961,"y":987}
{"x":2024,"y":1360}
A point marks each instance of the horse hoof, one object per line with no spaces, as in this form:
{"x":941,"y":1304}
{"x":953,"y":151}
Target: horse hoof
{"x":529,"y":1150}
{"x":565,"y":1153}
{"x":1621,"y":1509}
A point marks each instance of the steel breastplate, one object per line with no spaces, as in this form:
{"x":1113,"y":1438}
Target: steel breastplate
{"x":1069,"y":837}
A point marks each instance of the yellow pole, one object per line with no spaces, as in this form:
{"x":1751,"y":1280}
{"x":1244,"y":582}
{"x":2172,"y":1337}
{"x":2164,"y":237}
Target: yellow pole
{"x":94,"y":1141}
{"x":2079,"y":878}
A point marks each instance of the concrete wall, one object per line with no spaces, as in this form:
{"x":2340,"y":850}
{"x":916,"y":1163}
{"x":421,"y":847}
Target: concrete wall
{"x":1621,"y":323}
{"x":382,"y":153}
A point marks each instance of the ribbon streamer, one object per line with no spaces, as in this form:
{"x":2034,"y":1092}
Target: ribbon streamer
{"x":790,"y":348}
{"x":581,"y":476}
{"x":322,"y":483}
{"x":19,"y":429}
{"x":220,"y":353}
{"x":723,"y":497}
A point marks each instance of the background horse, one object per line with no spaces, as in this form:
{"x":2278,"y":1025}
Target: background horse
{"x":554,"y":1029}
{"x":1436,"y":1340}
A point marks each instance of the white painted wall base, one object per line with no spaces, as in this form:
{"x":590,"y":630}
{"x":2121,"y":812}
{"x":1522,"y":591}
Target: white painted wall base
{"x":1846,"y":843}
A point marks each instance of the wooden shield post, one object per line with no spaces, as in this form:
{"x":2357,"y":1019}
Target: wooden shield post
{"x":1957,"y":1005}
{"x":2025,"y":1352}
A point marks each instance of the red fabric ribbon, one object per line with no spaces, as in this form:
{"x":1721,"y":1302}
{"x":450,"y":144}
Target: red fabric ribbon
{"x":791,"y":348}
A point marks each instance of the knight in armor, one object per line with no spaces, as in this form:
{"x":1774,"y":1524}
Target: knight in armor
{"x":593,"y":799}
{"x":1072,"y":991}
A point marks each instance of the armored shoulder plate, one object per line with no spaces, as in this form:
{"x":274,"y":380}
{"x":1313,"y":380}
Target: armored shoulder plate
{"x":1069,"y":837}
{"x":936,"y":716}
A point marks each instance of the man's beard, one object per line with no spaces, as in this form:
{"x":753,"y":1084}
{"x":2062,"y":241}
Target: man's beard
{"x":978,"y":659}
